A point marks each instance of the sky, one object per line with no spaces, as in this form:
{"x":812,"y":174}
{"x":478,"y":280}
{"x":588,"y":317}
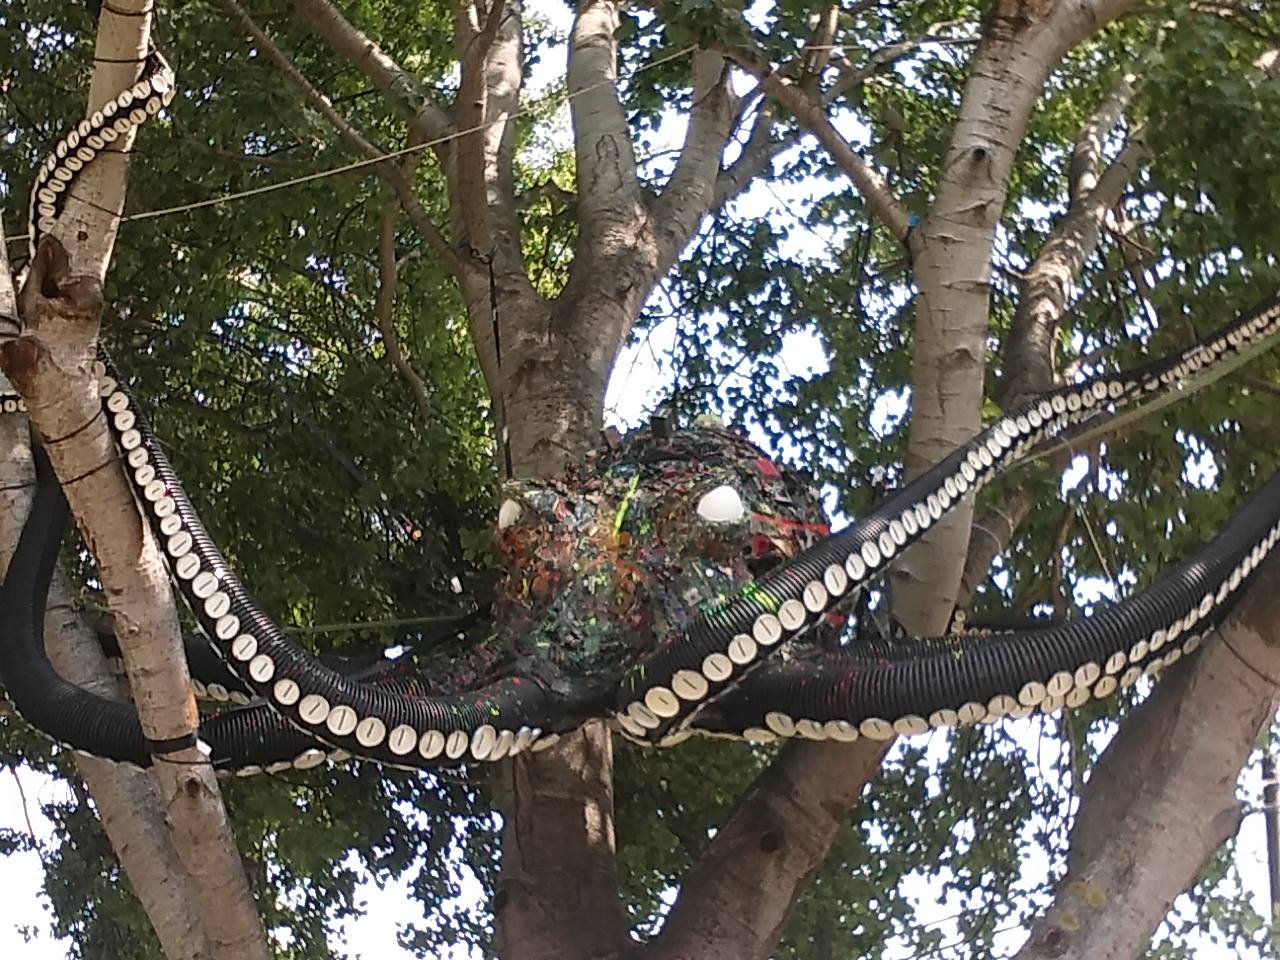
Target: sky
{"x":636,"y":388}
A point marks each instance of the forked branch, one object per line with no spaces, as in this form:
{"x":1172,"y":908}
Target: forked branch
{"x":391,"y":172}
{"x":384,"y":308}
{"x":428,"y":120}
{"x":811,"y":112}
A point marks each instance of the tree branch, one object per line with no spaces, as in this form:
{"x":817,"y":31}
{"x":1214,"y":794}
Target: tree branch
{"x":384,"y":308}
{"x":689,"y":194}
{"x":993,"y":530}
{"x":1028,"y":359}
{"x":392,"y":174}
{"x":488,"y":99}
{"x":811,"y":112}
{"x":88,"y":230}
{"x":609,"y":201}
{"x":51,"y":365}
{"x":1048,"y":282}
{"x":427,"y":120}
{"x":819,"y":49}
{"x":757,"y":153}
{"x":735,"y":899}
{"x":53,"y":372}
{"x":127,"y":801}
{"x":1086,"y":155}
{"x":761,"y":147}
{"x":1162,"y":798}
{"x":1023,"y":41}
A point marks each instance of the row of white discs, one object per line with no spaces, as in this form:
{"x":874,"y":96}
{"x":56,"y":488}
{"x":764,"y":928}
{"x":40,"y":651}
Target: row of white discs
{"x":78,"y":148}
{"x":458,"y":748}
{"x":1009,"y":436}
{"x":1064,"y":689}
{"x":201,"y":588}
{"x":1000,"y":445}
{"x":1005,"y":441}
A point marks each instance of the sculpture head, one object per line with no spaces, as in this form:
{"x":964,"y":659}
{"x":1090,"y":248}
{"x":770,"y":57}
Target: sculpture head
{"x":624,"y":552}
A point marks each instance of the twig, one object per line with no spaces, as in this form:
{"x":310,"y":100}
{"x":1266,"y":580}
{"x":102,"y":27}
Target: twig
{"x":868,"y":181}
{"x":353,"y":625}
{"x":384,"y":308}
{"x":392,"y":173}
{"x":26,"y":815}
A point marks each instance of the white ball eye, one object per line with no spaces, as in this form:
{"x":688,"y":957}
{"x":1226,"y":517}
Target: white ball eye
{"x":508,"y":513}
{"x":721,"y":505}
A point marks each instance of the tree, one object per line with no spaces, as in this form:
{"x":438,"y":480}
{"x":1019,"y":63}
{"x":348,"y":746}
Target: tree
{"x":974,"y":117}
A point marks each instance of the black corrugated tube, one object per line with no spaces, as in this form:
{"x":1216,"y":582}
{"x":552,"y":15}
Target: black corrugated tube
{"x":507,"y":704}
{"x":713,"y":630}
{"x":915,"y":677}
{"x":236,"y":739}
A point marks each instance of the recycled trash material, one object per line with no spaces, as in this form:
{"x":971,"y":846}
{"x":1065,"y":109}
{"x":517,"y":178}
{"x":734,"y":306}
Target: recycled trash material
{"x":619,"y":555}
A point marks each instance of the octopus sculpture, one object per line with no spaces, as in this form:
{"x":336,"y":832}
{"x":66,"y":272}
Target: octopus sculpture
{"x":685,"y":584}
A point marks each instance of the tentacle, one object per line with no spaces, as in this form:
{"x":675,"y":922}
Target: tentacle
{"x":912,"y":685}
{"x":962,"y":621}
{"x":243,"y":741}
{"x":152,"y":93}
{"x":366,"y":720}
{"x":402,"y":724}
{"x":669,"y":686}
{"x":211,"y":680}
{"x":377,"y":722}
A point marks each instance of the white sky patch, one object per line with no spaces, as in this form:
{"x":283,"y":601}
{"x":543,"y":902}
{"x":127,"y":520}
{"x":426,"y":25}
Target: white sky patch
{"x":23,"y":904}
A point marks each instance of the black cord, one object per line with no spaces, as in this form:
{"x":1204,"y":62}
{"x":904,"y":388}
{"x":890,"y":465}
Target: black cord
{"x":504,"y":432}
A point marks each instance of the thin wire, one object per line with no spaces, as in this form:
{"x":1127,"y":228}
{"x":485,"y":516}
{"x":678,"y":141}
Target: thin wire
{"x":352,"y":626}
{"x":961,"y":941}
{"x":355,"y":625}
{"x":394,"y":154}
{"x":1257,"y":671}
{"x":1097,"y":550}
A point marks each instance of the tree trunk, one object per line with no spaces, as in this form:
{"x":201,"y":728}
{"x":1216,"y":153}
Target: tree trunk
{"x":126,"y":799}
{"x":952,"y":247}
{"x":51,"y":365}
{"x":557,"y":894}
{"x":1163,"y":799}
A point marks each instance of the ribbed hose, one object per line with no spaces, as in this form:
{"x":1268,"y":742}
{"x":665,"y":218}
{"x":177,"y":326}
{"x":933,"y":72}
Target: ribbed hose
{"x":376,"y":722}
{"x":671,"y":684}
{"x":906,"y":686}
{"x":381,"y":724}
{"x":211,"y":680}
{"x":244,"y":740}
{"x":91,"y":723}
{"x":152,"y":92}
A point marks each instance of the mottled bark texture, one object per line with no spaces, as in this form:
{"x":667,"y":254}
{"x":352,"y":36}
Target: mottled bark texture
{"x":126,"y":799}
{"x":1162,"y":798}
{"x":52,"y":367}
{"x":546,"y":361}
{"x":1028,"y":355}
{"x":951,"y":250}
